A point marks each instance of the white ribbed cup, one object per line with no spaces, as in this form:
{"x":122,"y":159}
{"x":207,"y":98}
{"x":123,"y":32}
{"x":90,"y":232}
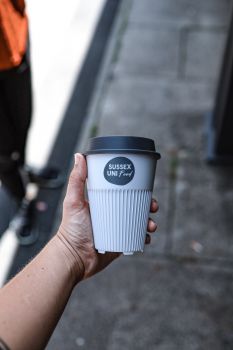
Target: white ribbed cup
{"x":119,"y":213}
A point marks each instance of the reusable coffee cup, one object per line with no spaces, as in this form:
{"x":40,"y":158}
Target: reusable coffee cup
{"x":121,"y":171}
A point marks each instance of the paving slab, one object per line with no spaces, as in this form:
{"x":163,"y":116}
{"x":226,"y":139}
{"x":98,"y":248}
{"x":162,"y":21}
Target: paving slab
{"x":181,"y":12}
{"x":135,"y":101}
{"x":201,"y":46}
{"x":203,"y":195}
{"x":200,"y":172}
{"x":153,"y":51}
{"x":203,"y":217}
{"x":139,"y":303}
{"x":188,"y":134}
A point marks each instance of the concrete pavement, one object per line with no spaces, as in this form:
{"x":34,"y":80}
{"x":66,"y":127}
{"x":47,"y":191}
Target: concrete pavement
{"x":158,"y":80}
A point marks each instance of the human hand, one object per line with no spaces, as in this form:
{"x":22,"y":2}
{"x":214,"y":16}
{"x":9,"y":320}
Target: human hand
{"x":76,"y":230}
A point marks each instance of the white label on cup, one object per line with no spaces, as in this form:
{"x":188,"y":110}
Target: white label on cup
{"x":119,"y":171}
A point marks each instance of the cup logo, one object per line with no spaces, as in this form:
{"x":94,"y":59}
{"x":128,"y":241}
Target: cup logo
{"x":119,"y":171}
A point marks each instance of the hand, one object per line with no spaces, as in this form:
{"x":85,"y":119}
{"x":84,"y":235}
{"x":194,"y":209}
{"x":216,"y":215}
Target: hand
{"x":76,"y":230}
{"x":152,"y":226}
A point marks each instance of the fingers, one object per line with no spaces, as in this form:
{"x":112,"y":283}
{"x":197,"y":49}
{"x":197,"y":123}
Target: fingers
{"x":75,"y":195}
{"x":154,"y":207}
{"x":151,"y":226}
{"x":148,"y":239}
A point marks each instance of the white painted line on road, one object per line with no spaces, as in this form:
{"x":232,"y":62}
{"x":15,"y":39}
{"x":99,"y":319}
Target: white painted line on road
{"x":8,"y":247}
{"x":58,"y":49}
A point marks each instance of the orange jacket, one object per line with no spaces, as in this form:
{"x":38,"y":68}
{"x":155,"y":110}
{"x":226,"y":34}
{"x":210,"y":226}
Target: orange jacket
{"x":13,"y":33}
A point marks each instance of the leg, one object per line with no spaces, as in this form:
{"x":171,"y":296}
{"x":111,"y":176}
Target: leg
{"x":15,"y":116}
{"x":18,"y":97}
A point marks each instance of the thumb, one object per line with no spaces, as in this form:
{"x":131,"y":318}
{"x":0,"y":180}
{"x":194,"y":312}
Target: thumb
{"x":75,"y":195}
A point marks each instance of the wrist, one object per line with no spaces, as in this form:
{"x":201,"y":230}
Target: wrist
{"x":73,"y":264}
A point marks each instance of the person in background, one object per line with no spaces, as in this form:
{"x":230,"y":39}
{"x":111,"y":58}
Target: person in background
{"x":34,"y":300}
{"x":15,"y":119}
{"x":15,"y":95}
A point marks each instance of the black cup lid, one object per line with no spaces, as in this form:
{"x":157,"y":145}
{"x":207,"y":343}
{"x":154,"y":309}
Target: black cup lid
{"x":121,"y":144}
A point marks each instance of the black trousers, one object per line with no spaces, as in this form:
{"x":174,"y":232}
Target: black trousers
{"x":15,"y":118}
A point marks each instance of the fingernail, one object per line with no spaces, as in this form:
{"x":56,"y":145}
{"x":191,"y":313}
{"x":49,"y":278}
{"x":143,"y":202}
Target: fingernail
{"x":76,"y":158}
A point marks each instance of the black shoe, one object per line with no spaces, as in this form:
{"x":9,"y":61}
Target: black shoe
{"x":22,"y":223}
{"x":47,"y":177}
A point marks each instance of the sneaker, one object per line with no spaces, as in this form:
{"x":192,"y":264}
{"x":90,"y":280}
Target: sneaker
{"x":22,"y":224}
{"x":47,"y":177}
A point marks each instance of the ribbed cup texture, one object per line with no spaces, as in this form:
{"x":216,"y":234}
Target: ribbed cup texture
{"x":119,"y":218}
